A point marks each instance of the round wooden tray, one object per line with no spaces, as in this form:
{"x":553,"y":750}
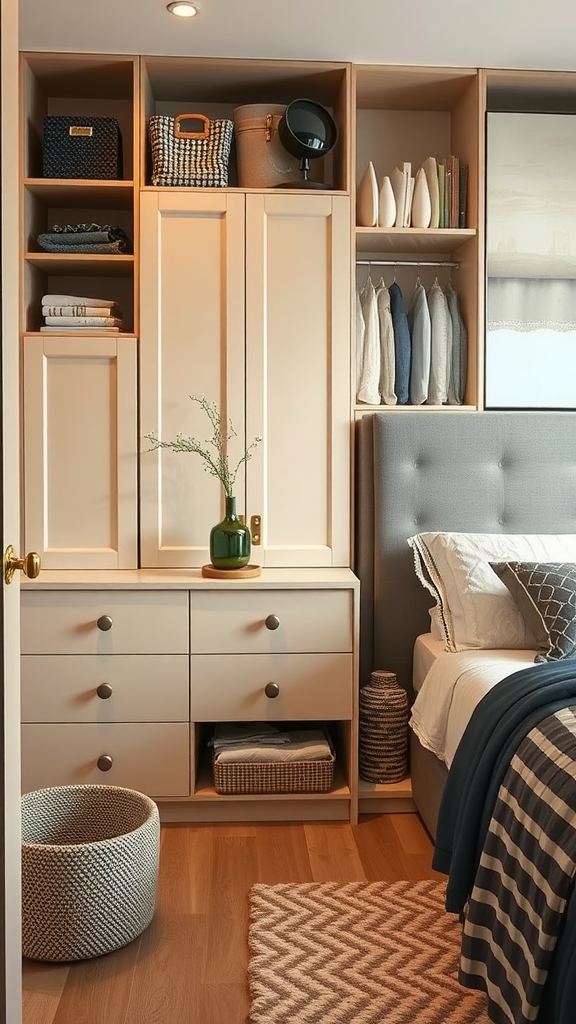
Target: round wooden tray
{"x":231,"y":574}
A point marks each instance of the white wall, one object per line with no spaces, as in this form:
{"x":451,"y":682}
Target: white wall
{"x":460,"y":33}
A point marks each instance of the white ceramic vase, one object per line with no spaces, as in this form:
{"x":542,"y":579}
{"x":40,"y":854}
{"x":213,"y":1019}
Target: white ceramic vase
{"x":367,"y":199}
{"x":421,"y":202}
{"x":386,"y":205}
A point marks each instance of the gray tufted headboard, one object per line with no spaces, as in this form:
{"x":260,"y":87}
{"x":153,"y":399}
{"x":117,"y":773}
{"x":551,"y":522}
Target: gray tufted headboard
{"x":488,"y":472}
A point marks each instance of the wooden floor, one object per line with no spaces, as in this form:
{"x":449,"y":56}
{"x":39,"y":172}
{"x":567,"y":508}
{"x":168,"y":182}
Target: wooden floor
{"x":189,"y":966}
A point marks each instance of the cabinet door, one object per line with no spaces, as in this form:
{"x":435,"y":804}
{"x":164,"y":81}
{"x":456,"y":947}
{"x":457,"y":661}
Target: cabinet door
{"x":297,"y":378}
{"x":192,"y":317}
{"x":80,"y":464}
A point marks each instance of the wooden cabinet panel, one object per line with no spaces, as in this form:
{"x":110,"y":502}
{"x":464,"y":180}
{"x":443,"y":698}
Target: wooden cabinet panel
{"x":235,"y":622}
{"x":297,"y":377}
{"x":312,"y":687}
{"x":192,"y":344}
{"x":66,"y":622}
{"x":133,"y":688}
{"x":154,"y":759}
{"x":80,"y":451}
{"x":247,"y":296}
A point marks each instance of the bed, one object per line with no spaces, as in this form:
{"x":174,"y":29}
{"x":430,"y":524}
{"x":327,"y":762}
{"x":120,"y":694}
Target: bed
{"x":495,"y":473}
{"x":491,"y":472}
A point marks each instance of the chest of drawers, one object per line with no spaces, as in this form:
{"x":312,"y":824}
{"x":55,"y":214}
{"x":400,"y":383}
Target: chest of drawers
{"x":105,"y":691}
{"x":123,"y":684}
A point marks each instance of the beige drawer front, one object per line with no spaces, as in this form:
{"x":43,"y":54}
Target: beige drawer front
{"x":143,"y":622}
{"x":154,"y":759}
{"x":76,"y":688}
{"x":311,"y":686}
{"x":234,"y":622}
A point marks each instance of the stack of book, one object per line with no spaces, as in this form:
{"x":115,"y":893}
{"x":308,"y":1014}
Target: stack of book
{"x":73,"y":314}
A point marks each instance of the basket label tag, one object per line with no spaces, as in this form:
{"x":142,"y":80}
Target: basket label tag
{"x":80,"y":129}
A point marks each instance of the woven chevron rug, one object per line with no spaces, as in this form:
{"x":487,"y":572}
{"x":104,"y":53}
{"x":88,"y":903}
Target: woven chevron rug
{"x":356,"y":953}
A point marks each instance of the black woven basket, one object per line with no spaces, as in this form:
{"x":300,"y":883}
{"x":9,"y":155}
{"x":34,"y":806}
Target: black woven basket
{"x":82,"y":147}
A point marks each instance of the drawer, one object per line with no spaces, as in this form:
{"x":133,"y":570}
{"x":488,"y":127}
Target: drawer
{"x":154,"y":759}
{"x":240,"y":621}
{"x":310,"y":686}
{"x":66,"y":622}
{"x":133,"y":688}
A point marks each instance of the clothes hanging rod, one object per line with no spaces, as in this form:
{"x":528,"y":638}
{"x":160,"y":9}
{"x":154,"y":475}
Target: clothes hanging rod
{"x":407,"y":263}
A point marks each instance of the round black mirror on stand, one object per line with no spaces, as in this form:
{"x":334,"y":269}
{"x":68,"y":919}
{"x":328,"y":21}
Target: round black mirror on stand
{"x":306,"y":130}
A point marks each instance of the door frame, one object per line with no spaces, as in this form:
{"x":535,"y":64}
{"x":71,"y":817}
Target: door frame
{"x":10,"y":889}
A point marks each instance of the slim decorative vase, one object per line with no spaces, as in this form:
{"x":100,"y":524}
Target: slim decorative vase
{"x":386,"y":205}
{"x":383,"y":729}
{"x":230,"y":540}
{"x":421,"y":201}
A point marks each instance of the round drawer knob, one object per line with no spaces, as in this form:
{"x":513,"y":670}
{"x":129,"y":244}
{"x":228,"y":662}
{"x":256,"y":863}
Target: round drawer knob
{"x":104,"y":623}
{"x":105,"y":762}
{"x":271,"y":690}
{"x":104,"y":691}
{"x":272,"y":622}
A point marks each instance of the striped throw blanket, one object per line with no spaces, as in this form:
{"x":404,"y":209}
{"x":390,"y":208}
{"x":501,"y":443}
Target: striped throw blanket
{"x":526,"y":875}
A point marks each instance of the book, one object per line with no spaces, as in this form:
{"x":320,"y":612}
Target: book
{"x":112,"y":310}
{"x":408,"y":188}
{"x":463,"y":195}
{"x":83,"y":321}
{"x":441,"y":195}
{"x":409,"y":198}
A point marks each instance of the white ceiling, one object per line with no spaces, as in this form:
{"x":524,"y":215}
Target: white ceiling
{"x":461,"y":33}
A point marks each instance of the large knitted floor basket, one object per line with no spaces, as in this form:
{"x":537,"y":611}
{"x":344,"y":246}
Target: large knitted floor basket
{"x":90,"y":859}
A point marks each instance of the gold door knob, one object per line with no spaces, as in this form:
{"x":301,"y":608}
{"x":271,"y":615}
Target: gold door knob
{"x":30,"y":564}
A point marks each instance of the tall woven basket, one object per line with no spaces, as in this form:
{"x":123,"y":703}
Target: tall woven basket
{"x":384,"y":713}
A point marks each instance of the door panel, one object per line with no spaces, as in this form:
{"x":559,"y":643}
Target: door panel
{"x":297,"y":379}
{"x":192,"y":260}
{"x":80,"y":451}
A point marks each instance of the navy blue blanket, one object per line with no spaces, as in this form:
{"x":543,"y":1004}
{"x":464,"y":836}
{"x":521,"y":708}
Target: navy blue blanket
{"x":501,"y":720}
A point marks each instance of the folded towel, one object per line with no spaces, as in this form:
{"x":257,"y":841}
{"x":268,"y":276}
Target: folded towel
{"x":75,"y":300}
{"x":302,"y":745}
{"x":83,"y":321}
{"x":246,"y":733}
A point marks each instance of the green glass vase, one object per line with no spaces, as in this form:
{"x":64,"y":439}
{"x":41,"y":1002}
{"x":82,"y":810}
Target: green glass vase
{"x":230,"y":540}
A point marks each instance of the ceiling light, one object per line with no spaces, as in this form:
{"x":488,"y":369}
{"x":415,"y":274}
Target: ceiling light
{"x":183,"y":8}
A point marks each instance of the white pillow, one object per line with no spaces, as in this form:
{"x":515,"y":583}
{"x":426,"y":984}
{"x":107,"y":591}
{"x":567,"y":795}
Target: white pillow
{"x":475,"y":608}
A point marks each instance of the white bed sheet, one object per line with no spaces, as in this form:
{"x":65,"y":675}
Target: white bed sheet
{"x":453,"y":686}
{"x":426,"y":649}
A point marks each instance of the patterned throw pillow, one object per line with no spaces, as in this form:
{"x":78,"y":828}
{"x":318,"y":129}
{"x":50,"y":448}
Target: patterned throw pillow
{"x":545,"y":593}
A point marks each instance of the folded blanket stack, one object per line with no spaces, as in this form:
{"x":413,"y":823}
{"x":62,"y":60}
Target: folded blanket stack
{"x":71,"y":314}
{"x":263,"y":743}
{"x":77,"y":239}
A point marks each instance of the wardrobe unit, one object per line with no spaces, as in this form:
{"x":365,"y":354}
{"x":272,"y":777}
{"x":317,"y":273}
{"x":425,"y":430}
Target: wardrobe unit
{"x":239,"y":294}
{"x":130,"y":655}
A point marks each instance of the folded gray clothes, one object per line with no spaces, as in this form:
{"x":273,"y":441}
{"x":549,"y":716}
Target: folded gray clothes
{"x":302,"y":745}
{"x":74,"y":236}
{"x":228,"y":734}
{"x":53,"y":243}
